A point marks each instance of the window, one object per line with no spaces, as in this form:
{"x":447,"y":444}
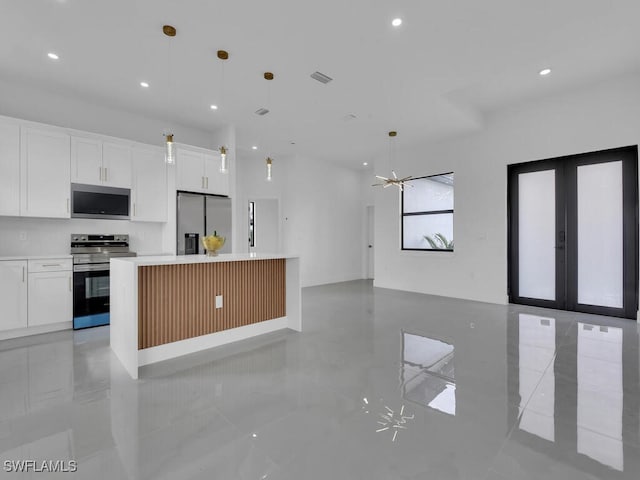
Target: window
{"x":427,"y":213}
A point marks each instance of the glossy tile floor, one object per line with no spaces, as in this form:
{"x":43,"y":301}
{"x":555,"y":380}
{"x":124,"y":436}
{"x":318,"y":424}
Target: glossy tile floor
{"x":380,"y":385}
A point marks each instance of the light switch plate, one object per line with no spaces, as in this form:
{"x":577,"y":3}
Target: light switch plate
{"x":218,"y":301}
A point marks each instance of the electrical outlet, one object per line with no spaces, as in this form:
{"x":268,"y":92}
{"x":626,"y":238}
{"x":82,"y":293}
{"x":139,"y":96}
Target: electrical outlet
{"x":218,"y":301}
{"x":23,"y":236}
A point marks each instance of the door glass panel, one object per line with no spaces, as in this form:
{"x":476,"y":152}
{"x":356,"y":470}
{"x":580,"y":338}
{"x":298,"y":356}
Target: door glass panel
{"x":600,"y":234}
{"x":537,"y":233}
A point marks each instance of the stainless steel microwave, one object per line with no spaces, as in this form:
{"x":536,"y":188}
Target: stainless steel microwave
{"x":94,"y":201}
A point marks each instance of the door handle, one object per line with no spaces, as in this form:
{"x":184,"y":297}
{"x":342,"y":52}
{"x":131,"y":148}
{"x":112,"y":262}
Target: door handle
{"x":106,"y":174}
{"x":100,"y":172}
{"x":370,"y":246}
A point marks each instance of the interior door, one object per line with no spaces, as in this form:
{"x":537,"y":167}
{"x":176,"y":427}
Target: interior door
{"x":573,"y":233}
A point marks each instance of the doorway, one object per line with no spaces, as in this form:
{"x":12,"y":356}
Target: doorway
{"x":370,"y":227}
{"x":573,"y":233}
{"x":264,"y":226}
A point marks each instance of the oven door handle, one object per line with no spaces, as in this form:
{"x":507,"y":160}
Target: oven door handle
{"x":91,"y":267}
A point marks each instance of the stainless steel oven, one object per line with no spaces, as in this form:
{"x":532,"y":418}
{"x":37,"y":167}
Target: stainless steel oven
{"x":91,"y":255}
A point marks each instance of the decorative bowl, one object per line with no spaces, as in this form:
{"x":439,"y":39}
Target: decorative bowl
{"x":212,"y":243}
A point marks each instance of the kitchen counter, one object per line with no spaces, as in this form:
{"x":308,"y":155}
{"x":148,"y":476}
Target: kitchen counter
{"x":163,"y":307}
{"x":34,"y":257}
{"x":188,"y":259}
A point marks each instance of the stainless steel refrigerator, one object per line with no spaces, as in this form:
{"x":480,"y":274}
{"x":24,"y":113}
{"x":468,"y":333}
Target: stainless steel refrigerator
{"x":200,"y":215}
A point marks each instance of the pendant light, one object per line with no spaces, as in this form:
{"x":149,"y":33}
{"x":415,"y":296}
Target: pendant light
{"x":223,"y":160}
{"x":269,"y":164}
{"x":223,"y":55}
{"x":170,"y":151}
{"x":393,"y":180}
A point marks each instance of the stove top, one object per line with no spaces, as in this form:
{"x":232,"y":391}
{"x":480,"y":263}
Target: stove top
{"x":99,"y":248}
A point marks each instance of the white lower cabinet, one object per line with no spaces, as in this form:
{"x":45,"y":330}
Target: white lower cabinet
{"x":13,"y":294}
{"x":50,"y":292}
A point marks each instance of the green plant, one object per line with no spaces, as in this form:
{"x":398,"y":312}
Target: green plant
{"x":439,"y":242}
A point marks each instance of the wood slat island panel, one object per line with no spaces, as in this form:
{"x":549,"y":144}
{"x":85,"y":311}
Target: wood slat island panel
{"x":177,"y":302}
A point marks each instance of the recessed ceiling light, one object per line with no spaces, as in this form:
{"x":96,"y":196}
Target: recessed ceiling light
{"x":365,"y":163}
{"x":52,"y":56}
{"x":396,"y":22}
{"x":254,"y":148}
{"x":144,"y":84}
{"x":214,"y":107}
{"x":545,"y":71}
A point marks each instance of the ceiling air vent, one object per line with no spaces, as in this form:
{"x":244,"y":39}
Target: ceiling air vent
{"x":262,"y":111}
{"x":321,"y":77}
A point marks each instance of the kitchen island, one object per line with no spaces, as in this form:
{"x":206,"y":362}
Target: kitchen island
{"x":163,"y":307}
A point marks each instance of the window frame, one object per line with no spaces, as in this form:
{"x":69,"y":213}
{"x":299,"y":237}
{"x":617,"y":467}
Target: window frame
{"x":424,"y":213}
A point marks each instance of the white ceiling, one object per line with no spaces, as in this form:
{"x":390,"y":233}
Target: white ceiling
{"x":449,"y":63}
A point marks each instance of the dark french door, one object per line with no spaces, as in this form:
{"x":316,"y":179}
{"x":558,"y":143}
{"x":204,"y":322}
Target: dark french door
{"x":573,"y":232}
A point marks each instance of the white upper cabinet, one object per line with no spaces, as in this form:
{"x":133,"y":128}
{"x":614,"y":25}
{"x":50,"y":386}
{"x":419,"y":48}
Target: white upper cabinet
{"x":190,"y":169}
{"x":44,"y":173}
{"x":217,"y":182}
{"x":9,"y":168}
{"x":116,"y":161}
{"x":86,"y":160}
{"x":199,"y":171}
{"x":95,"y":162}
{"x":149,"y":190}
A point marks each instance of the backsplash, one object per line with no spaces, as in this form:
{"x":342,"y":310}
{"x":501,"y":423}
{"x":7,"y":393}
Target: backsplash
{"x":50,"y":236}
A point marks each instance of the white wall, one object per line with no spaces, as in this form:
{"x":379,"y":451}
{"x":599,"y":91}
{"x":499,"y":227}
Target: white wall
{"x":597,"y":117}
{"x":321,"y":213}
{"x":51,"y":236}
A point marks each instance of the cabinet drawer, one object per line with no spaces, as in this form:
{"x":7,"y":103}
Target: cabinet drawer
{"x":50,"y":265}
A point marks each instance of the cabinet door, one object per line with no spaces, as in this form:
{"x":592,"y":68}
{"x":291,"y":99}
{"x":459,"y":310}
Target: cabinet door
{"x":50,"y":298}
{"x":216,"y":182}
{"x":10,"y":168}
{"x":149,"y":191}
{"x":190,"y":171}
{"x":13,"y":294}
{"x":86,"y":161}
{"x":44,"y":173}
{"x":116,"y":161}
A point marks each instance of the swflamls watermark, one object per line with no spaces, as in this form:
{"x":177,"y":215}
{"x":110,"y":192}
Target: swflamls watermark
{"x":39,"y":466}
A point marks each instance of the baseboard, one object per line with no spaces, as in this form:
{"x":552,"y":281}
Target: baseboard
{"x":37,"y":330}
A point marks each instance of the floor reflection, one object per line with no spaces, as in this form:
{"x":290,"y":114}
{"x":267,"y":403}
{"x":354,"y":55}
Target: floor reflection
{"x":600,"y":394}
{"x":574,"y":404}
{"x":428,"y":372}
{"x":537,"y":343}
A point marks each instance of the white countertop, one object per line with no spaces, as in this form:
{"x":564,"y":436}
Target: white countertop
{"x":34,"y":257}
{"x":187,"y":259}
